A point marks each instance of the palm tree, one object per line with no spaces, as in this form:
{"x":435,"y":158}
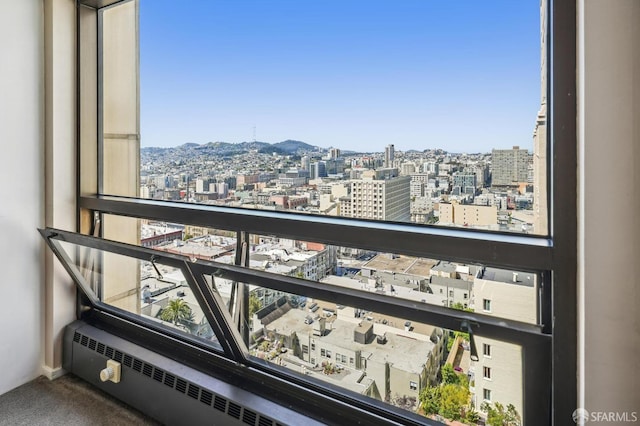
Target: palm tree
{"x":176,"y":310}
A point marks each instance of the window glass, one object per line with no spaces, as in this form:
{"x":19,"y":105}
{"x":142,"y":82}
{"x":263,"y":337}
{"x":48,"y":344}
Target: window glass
{"x":153,"y":290}
{"x":411,"y":365}
{"x":461,"y":286}
{"x":415,"y":112}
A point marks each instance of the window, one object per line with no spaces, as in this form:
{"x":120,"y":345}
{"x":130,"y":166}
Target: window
{"x":305,"y":349}
{"x":486,"y":350}
{"x":486,"y":394}
{"x":486,"y":372}
{"x":251,"y":194}
{"x":313,"y":346}
{"x":465,"y":296}
{"x":413,"y":385}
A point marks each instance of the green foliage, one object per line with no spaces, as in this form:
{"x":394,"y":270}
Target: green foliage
{"x":454,"y":399}
{"x":449,"y":376}
{"x":450,"y":399}
{"x":176,"y":310}
{"x":254,"y":305}
{"x":498,"y":415}
{"x":187,"y":237}
{"x":430,"y":399}
{"x":472,"y":417}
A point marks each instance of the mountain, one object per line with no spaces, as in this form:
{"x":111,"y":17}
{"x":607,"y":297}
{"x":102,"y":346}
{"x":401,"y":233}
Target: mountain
{"x":226,"y":148}
{"x":293,"y":147}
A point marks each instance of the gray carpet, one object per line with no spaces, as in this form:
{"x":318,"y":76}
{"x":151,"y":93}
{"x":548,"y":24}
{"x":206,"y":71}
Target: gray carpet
{"x":66,"y":401}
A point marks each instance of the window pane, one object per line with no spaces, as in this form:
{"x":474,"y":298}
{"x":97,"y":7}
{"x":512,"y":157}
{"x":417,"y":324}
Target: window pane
{"x":349,"y":347}
{"x":153,"y":290}
{"x":195,"y":242}
{"x":413,"y":112}
{"x":473,"y":287}
{"x":411,"y":365}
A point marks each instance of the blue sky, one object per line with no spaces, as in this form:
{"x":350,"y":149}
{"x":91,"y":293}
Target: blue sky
{"x":462,"y":75}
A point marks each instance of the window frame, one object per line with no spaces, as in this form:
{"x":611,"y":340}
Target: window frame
{"x":554,"y":255}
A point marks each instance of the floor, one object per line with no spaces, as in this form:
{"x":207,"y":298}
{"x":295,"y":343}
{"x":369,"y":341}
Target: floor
{"x":68,"y":400}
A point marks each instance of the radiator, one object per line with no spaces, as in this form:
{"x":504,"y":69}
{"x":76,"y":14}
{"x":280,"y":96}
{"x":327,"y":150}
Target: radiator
{"x":166,"y":390}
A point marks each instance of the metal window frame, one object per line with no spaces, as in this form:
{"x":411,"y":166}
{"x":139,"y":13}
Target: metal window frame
{"x":554,"y":257}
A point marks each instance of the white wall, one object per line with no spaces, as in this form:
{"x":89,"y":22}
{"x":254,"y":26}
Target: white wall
{"x":21,"y":191}
{"x":609,"y":222}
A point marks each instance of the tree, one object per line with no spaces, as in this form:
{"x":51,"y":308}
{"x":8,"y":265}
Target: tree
{"x":254,"y":305}
{"x":449,"y":376}
{"x":176,"y":310}
{"x":451,"y":398}
{"x":499,"y":416}
{"x":430,"y":399}
{"x":453,"y":401}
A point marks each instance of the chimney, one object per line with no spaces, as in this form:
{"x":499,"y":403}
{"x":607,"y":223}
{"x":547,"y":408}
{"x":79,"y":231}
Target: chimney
{"x":515,"y":277}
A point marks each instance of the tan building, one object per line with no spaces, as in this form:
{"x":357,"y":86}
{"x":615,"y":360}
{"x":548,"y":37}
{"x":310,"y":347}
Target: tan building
{"x":540,"y":207}
{"x":378,"y":198}
{"x":498,"y":373}
{"x":468,"y":214}
{"x":400,"y":363}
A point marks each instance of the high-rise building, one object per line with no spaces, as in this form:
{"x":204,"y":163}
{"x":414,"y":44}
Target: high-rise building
{"x":389,"y":155}
{"x":430,"y":167}
{"x":318,"y":170}
{"x":467,"y":182}
{"x":305,"y":163}
{"x":407,"y":169}
{"x":380,"y":199}
{"x":540,"y":220}
{"x":202,"y":184}
{"x":509,"y":166}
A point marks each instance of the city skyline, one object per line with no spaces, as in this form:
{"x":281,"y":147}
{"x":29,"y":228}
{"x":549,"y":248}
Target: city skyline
{"x":374,"y":74}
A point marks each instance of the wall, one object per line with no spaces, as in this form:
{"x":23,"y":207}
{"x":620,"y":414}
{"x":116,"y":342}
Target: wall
{"x":21,"y":192}
{"x":609,"y":139}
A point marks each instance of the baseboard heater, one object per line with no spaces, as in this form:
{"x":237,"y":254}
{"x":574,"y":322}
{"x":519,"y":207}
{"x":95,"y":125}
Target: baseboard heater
{"x":164,"y":389}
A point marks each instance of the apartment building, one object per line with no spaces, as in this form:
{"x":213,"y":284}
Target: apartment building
{"x":498,"y":372}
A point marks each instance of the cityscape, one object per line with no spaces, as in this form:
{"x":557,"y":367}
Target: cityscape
{"x":492,"y":191}
{"x":418,"y":367}
{"x":447,"y":375}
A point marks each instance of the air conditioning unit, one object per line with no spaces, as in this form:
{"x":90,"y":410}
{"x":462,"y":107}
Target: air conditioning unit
{"x":164,"y":389}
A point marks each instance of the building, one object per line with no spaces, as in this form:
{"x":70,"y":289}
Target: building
{"x":317,"y":170}
{"x":540,"y":205}
{"x":154,"y":234}
{"x":467,"y":182}
{"x":467,"y":215}
{"x":498,"y":373}
{"x":389,"y":156}
{"x":380,"y":199}
{"x":509,"y":167}
{"x":400,"y":363}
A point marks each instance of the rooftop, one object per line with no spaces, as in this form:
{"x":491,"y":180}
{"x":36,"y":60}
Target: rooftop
{"x":505,"y":276}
